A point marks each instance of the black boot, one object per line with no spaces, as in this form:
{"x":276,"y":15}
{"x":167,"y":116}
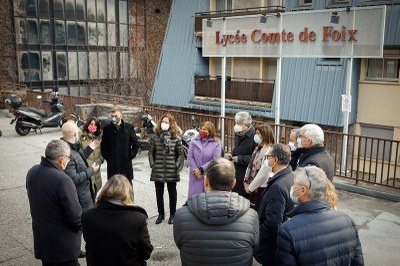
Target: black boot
{"x":160,"y":218}
{"x":171,"y":218}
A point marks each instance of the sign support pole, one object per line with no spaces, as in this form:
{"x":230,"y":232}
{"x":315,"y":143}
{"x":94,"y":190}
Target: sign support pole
{"x":223,"y":78}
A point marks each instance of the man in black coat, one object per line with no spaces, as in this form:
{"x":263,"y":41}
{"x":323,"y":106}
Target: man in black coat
{"x":275,"y":202}
{"x":243,"y":149}
{"x":119,"y":145}
{"x":313,"y":150}
{"x":78,"y":169}
{"x":55,"y":209}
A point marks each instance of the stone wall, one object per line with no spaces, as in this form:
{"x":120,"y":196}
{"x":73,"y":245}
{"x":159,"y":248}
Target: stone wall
{"x":103,"y":111}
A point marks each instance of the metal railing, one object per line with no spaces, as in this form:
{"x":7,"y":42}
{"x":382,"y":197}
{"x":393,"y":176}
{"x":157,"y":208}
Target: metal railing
{"x":368,"y":159}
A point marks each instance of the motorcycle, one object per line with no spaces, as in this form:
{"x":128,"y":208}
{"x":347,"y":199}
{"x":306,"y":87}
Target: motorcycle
{"x":31,"y":118}
{"x":145,"y":132}
{"x":189,"y":135}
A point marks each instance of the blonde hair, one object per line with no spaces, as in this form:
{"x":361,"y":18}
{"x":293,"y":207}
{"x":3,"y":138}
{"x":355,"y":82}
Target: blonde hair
{"x":331,"y":195}
{"x":117,"y":188}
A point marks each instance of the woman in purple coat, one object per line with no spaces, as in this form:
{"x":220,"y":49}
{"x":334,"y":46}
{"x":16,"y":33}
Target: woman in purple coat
{"x":203,"y":149}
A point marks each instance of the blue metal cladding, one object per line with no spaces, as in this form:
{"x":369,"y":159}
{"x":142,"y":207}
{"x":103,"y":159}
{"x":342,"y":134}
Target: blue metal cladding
{"x":310,"y":89}
{"x":311,"y":92}
{"x":392,"y":25}
{"x":174,"y":82}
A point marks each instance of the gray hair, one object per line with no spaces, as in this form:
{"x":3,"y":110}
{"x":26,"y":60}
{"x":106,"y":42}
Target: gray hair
{"x":295,"y":130}
{"x":282,"y":152}
{"x":314,"y":133}
{"x":314,"y":178}
{"x":57,"y":148}
{"x":243,"y":118}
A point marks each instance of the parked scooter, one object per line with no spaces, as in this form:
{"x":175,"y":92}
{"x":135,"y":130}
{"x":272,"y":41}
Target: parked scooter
{"x":30,"y":118}
{"x":145,"y":132}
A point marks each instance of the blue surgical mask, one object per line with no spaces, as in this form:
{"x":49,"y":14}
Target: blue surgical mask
{"x":257,"y":139}
{"x":115,"y":120}
{"x":292,"y":197}
{"x":292,"y":146}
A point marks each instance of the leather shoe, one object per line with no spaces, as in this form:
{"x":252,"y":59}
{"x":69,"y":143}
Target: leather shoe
{"x":160,"y":218}
{"x":171,"y":219}
{"x":82,"y":254}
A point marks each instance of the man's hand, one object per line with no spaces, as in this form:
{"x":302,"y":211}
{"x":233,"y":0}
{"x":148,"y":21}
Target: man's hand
{"x":94,"y":144}
{"x":95,"y":166}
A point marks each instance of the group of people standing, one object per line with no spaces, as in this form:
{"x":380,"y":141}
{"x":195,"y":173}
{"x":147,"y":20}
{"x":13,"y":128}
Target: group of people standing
{"x":238,"y":206}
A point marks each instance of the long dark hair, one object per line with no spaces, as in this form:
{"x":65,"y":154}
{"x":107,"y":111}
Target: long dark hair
{"x":98,"y":125}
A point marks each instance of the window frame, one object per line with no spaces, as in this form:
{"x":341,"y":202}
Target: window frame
{"x":382,"y":77}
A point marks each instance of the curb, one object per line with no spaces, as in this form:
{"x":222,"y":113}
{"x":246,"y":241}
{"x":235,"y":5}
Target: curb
{"x":367,"y":191}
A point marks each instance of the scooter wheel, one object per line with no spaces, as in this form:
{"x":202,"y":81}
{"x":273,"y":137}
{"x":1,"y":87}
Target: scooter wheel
{"x":21,"y":130}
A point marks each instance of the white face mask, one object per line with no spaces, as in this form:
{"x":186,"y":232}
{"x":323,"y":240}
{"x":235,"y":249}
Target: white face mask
{"x":237,"y":128}
{"x":164,"y":126}
{"x":299,"y":145}
{"x":292,"y":146}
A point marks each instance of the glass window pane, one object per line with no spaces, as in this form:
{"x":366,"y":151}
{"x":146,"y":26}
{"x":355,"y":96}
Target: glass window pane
{"x":124,"y":65}
{"x":30,"y":65}
{"x":45,"y":32}
{"x":101,"y":30}
{"x":70,"y":9}
{"x":71,"y":29}
{"x":83,"y":91}
{"x":101,"y":10}
{"x":91,"y":10}
{"x":74,"y":91}
{"x":80,"y":10}
{"x":61,"y":66}
{"x":58,"y":6}
{"x":112,"y":41}
{"x":44,"y":8}
{"x":32,"y":31}
{"x":81,"y":31}
{"x":110,"y":10}
{"x":59,"y":32}
{"x":30,"y":7}
{"x":103,"y":65}
{"x":92,"y":33}
{"x":123,"y":35}
{"x":391,"y":68}
{"x":375,"y":68}
{"x":73,"y":65}
{"x":83,"y":65}
{"x":47,"y":66}
{"x":123,"y":12}
{"x":112,"y":65}
{"x":93,"y":65}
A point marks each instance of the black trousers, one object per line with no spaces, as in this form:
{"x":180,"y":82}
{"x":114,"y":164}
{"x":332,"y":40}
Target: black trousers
{"x":66,"y":263}
{"x":160,"y":196}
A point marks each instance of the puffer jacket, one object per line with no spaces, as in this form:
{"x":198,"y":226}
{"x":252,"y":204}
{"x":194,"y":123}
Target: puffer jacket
{"x":318,"y":235}
{"x":165,"y":167}
{"x":81,"y":173}
{"x":216,"y":228}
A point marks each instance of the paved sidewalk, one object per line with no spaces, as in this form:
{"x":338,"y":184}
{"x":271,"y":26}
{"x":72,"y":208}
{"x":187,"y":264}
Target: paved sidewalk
{"x":378,"y":219}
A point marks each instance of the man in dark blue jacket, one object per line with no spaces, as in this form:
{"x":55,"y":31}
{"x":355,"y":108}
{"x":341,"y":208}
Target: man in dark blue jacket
{"x":316,"y":234}
{"x":275,"y":203}
{"x":55,"y":209}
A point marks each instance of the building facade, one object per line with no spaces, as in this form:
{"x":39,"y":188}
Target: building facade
{"x":79,"y":47}
{"x":311,"y":88}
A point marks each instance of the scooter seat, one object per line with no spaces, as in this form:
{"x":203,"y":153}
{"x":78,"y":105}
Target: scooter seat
{"x":40,"y":112}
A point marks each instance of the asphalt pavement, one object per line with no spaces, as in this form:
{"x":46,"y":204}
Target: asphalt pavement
{"x":378,"y":220}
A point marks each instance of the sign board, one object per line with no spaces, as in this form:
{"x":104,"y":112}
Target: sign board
{"x":346,"y":103}
{"x":359,"y":33}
